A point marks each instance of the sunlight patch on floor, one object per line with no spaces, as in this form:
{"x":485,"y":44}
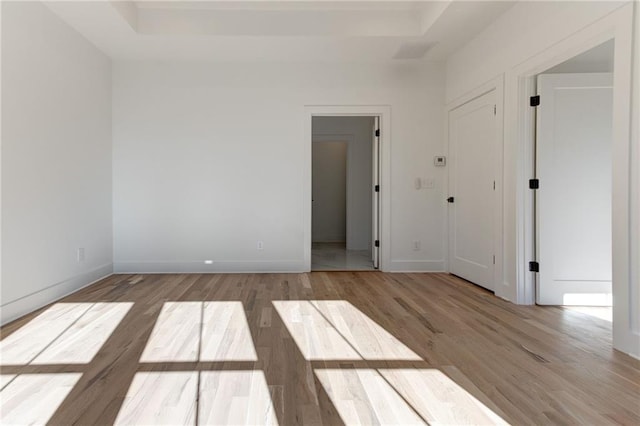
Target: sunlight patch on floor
{"x":336,"y":330}
{"x":363,"y":397}
{"x":224,"y":398}
{"x":5,"y":379}
{"x":34,"y":398}
{"x":587,"y":299}
{"x":438,"y":399}
{"x":601,"y":312}
{"x":166,"y":398}
{"x":66,"y":333}
{"x":235,"y":398}
{"x":200,"y":331}
{"x":315,"y":337}
{"x":368,"y":338}
{"x":176,"y":334}
{"x":225,"y":333}
{"x":84,"y":338}
{"x":402,"y":397}
{"x":24,"y":344}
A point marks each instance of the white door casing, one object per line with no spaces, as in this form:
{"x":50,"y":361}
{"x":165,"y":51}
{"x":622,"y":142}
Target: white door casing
{"x":383,"y":112}
{"x":472,"y":164}
{"x":375,"y":234}
{"x":573,"y":205}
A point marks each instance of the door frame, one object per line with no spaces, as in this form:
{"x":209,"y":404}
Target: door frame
{"x":382,"y":111}
{"x":497,"y":85}
{"x":521,"y":80}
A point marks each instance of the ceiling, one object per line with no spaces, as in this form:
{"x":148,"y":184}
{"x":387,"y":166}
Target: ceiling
{"x":296,"y":31}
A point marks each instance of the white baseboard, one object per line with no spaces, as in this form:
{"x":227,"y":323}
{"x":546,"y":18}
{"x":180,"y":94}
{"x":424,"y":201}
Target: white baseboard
{"x":199,"y":267}
{"x":29,"y":303}
{"x":416,"y":266}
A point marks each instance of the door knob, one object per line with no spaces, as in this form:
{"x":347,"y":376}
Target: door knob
{"x":450,"y":200}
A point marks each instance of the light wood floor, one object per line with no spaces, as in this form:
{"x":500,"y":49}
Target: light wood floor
{"x":319,"y":348}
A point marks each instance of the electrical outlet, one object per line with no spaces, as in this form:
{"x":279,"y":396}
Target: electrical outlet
{"x":80,"y":255}
{"x":416,"y":245}
{"x":260,"y":245}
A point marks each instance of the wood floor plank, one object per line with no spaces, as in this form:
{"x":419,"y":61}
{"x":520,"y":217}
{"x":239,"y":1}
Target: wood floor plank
{"x":33,"y":398}
{"x":438,"y":399}
{"x":83,"y":339}
{"x":235,"y":398}
{"x":225,"y":333}
{"x":5,"y":379}
{"x":176,"y":335}
{"x":315,"y":336}
{"x":369,"y":339}
{"x":167,"y":398}
{"x":364,"y":397}
{"x":321,"y":348}
{"x":27,"y":342}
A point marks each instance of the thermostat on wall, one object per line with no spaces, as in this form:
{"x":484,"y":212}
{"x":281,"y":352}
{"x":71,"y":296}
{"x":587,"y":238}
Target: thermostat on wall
{"x":440,"y":160}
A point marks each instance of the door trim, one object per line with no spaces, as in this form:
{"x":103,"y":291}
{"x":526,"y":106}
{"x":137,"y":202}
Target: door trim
{"x":497,"y":85}
{"x":382,"y":111}
{"x":521,"y":79}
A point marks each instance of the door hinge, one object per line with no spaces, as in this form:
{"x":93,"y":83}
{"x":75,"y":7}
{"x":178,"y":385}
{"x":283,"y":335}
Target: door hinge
{"x":534,"y":183}
{"x":494,"y":259}
{"x":534,"y":267}
{"x":377,"y":133}
{"x":494,"y":110}
{"x":494,"y":185}
{"x":377,"y":188}
{"x":377,"y":243}
{"x":534,"y":101}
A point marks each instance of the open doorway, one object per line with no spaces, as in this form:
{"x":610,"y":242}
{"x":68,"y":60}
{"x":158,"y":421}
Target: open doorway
{"x":345,"y":205}
{"x":573,"y":181}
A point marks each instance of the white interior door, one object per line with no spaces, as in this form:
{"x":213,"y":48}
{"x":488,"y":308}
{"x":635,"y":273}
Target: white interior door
{"x":574,"y":139}
{"x":472,"y":142}
{"x":375,"y":232}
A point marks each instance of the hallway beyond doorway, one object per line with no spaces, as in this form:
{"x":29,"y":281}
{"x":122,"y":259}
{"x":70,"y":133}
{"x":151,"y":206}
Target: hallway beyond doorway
{"x":336,"y":257}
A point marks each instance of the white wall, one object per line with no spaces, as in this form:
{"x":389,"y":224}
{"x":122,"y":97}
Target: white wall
{"x":598,"y":59}
{"x":209,"y":159}
{"x":329,"y":192}
{"x":509,"y":41}
{"x":500,"y":50}
{"x":56,"y":159}
{"x":359,"y":180}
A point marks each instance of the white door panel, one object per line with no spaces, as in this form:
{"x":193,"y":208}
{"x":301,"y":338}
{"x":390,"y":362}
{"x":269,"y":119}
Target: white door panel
{"x":472,"y":137}
{"x":574,"y":138}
